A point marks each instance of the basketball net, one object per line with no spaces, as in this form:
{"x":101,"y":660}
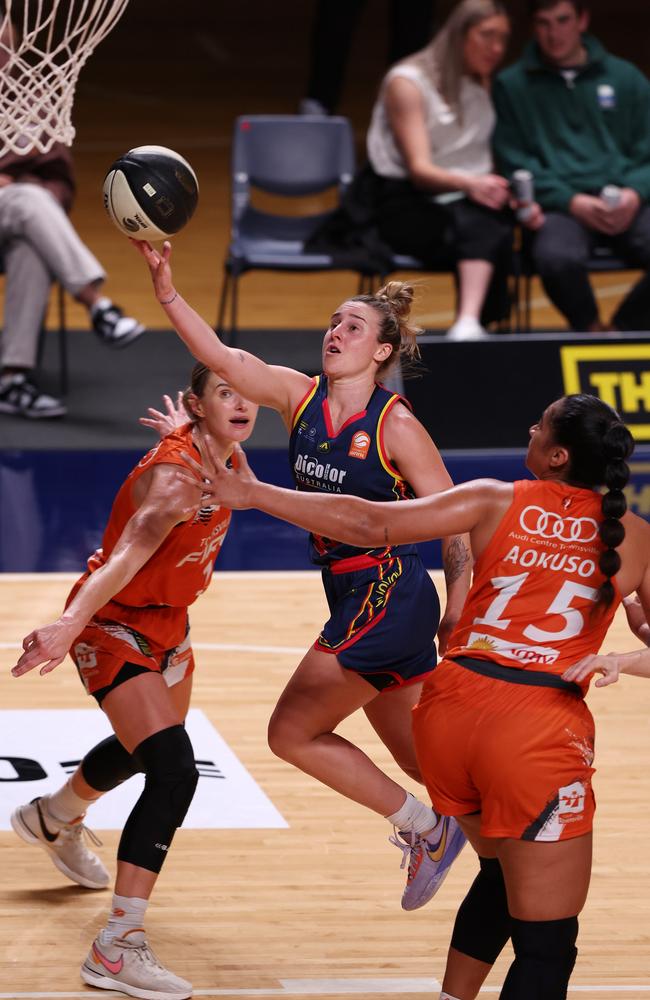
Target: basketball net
{"x":43,"y":46}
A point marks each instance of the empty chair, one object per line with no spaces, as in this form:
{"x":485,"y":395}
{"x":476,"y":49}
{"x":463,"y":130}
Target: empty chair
{"x":292,"y":156}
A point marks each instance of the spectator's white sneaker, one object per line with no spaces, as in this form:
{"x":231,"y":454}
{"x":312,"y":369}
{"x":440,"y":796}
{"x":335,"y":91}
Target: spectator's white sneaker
{"x":128,"y":964}
{"x":112,"y":326}
{"x":22,"y":398}
{"x":63,"y":841}
{"x":466,"y":328}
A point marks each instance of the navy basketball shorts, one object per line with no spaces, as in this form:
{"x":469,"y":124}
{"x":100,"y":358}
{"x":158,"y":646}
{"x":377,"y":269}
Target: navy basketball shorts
{"x":383,"y":621}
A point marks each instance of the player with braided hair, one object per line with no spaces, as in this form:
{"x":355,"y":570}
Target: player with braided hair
{"x":350,"y":435}
{"x":503,"y":737}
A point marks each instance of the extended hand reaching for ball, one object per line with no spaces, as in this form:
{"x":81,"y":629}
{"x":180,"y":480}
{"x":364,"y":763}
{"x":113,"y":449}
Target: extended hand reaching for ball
{"x":160,"y":269}
{"x":218,"y":484}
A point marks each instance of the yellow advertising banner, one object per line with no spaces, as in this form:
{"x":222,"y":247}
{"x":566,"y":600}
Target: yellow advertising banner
{"x":618,"y":373}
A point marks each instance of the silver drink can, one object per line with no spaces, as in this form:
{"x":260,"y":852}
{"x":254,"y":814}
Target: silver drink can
{"x":523,"y":188}
{"x":611,"y":195}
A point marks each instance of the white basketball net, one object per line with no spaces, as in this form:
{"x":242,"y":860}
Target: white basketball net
{"x":43,"y":46}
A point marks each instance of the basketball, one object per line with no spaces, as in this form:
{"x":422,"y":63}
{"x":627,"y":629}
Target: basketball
{"x":150,"y":193}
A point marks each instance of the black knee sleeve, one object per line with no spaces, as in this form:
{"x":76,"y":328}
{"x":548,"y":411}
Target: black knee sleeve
{"x":167,"y":759}
{"x":483,"y":923}
{"x":107,"y":765}
{"x":545,"y":954}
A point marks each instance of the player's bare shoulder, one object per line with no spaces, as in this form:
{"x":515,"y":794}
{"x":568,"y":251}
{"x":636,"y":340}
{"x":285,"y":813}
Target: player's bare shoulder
{"x":637,"y":533}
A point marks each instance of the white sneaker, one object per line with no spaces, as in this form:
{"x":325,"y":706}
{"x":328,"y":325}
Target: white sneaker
{"x":129,"y":965}
{"x":466,"y":328}
{"x":64,"y":841}
{"x":112,"y":326}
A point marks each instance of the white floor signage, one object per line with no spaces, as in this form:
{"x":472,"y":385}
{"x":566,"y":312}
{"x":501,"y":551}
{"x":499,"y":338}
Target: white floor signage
{"x":40,"y":747}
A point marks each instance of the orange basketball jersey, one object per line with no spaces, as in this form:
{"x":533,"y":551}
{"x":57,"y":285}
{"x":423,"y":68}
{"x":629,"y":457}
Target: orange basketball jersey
{"x":533,"y":602}
{"x":178,"y":571}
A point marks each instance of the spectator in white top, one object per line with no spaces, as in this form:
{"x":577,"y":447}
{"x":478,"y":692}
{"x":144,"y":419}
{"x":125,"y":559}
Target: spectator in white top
{"x":437,"y":196}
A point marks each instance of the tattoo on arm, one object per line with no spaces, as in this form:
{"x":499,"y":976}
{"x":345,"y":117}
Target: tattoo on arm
{"x":455,"y":559}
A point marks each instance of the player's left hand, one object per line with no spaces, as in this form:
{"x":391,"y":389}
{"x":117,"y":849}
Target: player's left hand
{"x":159,"y":263}
{"x":218,"y":484}
{"x":607,"y":665}
{"x":447,"y":625}
{"x":166,"y":423}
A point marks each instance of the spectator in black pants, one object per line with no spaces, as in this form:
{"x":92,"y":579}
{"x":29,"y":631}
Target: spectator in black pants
{"x":333,"y":29}
{"x":579,"y":119}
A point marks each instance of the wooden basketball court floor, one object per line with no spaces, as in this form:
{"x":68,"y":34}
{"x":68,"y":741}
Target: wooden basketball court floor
{"x":314,"y":909}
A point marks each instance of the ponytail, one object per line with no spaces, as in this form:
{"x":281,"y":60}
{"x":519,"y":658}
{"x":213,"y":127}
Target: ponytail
{"x":393,"y":303}
{"x":599,"y":445}
{"x":617,"y":447}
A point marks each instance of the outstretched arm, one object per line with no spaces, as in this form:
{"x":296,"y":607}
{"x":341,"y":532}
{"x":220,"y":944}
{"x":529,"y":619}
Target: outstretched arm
{"x":269,"y":385}
{"x":165,"y":505}
{"x":349,"y":519}
{"x":611,"y":666}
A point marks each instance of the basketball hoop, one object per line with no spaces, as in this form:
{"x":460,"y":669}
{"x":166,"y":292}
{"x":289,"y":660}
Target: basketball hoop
{"x":43,"y":46}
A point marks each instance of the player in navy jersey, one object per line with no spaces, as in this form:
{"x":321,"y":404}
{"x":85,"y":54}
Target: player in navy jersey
{"x":348,"y":434}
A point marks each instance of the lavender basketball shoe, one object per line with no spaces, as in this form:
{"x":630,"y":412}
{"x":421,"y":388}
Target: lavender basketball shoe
{"x":429,"y":861}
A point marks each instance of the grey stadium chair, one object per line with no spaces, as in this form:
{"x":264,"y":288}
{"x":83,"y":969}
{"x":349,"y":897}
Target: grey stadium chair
{"x":292,"y":156}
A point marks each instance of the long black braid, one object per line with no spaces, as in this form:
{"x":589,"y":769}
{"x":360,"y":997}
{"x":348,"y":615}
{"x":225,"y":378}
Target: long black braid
{"x":599,"y":445}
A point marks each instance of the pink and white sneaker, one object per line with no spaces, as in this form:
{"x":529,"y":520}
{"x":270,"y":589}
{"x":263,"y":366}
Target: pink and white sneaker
{"x":129,"y":965}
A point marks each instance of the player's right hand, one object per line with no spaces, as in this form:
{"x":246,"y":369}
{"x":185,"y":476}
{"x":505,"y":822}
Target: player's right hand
{"x":218,"y":484}
{"x":47,"y":645}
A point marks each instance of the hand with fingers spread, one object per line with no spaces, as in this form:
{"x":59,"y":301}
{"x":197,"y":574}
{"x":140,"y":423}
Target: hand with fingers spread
{"x":47,"y":645}
{"x":220,"y":485}
{"x":160,"y":269}
{"x":166,"y":423}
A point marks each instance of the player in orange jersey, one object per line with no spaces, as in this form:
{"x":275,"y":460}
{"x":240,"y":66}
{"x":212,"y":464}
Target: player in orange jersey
{"x":350,"y":434}
{"x":504,"y":741}
{"x":126,"y":627}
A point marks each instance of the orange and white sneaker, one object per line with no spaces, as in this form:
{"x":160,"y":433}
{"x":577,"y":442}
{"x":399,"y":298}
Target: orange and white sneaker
{"x":129,"y":965}
{"x":64,"y":843}
{"x":429,"y":861}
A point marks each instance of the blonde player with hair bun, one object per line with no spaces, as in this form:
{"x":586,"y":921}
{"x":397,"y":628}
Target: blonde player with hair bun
{"x":350,"y":435}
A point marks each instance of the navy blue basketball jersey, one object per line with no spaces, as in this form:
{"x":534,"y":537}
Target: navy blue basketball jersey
{"x":352,"y":461}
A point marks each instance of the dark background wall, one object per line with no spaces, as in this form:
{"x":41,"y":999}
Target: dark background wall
{"x":258,"y":50}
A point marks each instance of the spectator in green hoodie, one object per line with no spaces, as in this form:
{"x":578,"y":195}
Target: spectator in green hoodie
{"x":579,"y":119}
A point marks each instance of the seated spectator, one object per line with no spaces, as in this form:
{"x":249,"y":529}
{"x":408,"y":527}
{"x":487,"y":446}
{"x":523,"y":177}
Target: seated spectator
{"x":38,"y":244}
{"x":579,"y":119}
{"x":436,"y":195}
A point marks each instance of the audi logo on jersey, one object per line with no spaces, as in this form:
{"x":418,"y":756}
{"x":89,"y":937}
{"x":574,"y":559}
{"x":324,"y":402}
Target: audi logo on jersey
{"x":537,"y":521}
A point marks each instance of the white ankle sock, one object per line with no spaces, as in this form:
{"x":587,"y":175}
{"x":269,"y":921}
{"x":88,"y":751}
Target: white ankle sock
{"x":447,"y":996}
{"x":414,"y":816}
{"x":65,"y":805}
{"x":127,"y":914}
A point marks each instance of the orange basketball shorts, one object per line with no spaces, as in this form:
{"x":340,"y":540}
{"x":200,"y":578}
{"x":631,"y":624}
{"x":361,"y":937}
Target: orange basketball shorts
{"x":520,"y":755}
{"x":103,"y":648}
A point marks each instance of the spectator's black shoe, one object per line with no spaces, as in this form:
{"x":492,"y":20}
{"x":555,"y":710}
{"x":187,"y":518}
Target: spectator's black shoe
{"x":112,"y":326}
{"x":21,"y":397}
